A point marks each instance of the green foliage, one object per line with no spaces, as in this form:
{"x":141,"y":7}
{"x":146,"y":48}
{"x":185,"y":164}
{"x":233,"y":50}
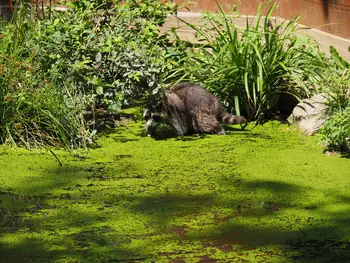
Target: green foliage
{"x":112,"y":52}
{"x":337,"y":82}
{"x":336,"y":131}
{"x":92,"y":55}
{"x":33,"y":111}
{"x":249,"y":68}
{"x":338,"y":59}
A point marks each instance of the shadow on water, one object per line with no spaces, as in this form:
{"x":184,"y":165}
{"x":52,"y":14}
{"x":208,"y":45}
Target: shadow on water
{"x":345,"y":155}
{"x":164,"y":133}
{"x":124,"y":139}
{"x":81,"y":234}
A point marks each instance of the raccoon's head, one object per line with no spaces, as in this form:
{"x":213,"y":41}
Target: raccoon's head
{"x":153,"y":114}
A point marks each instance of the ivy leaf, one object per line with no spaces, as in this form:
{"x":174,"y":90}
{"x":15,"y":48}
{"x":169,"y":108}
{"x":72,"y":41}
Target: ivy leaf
{"x":114,"y":108}
{"x":99,"y":90}
{"x":55,"y":23}
{"x":155,"y":91}
{"x":98,"y":57}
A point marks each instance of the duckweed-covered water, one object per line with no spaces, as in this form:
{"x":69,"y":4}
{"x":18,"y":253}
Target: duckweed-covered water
{"x":267,"y":194}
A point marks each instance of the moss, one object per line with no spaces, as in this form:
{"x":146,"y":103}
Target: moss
{"x":267,"y":193}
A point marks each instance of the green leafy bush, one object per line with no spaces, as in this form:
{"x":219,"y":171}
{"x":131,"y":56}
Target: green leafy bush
{"x":337,"y":82}
{"x":336,"y":131}
{"x":112,"y":52}
{"x":249,"y":68}
{"x":33,"y":111}
{"x":92,"y":55}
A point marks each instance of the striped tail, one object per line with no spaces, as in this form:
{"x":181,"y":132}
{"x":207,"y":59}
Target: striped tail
{"x":233,"y":119}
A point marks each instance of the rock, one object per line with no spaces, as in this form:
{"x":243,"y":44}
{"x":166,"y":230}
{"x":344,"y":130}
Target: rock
{"x":310,"y":114}
{"x":347,"y":144}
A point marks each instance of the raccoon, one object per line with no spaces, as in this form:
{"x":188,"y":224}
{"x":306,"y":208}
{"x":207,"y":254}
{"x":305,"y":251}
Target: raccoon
{"x":189,"y":108}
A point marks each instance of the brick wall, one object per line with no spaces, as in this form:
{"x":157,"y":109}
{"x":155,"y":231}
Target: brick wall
{"x":332,"y":16}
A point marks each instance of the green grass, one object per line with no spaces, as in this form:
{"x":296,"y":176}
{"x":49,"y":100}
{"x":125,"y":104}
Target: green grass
{"x":266,"y":194}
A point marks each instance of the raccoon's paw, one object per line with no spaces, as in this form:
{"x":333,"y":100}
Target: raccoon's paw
{"x":242,"y":121}
{"x":151,"y":131}
{"x":222,"y":131}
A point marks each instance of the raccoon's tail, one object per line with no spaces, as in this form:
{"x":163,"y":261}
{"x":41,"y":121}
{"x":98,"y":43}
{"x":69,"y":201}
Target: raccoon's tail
{"x":233,"y":119}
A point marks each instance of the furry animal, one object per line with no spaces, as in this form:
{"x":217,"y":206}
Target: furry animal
{"x":189,"y":108}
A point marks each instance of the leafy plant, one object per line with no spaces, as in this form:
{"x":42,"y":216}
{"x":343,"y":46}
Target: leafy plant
{"x":92,"y":55}
{"x":337,"y":82}
{"x":338,"y":59}
{"x":33,"y":111}
{"x":249,"y":68}
{"x":336,"y":131}
{"x":113,"y":53}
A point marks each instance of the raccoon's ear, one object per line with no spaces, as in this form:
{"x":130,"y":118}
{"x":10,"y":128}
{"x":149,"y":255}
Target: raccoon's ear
{"x":160,"y":106}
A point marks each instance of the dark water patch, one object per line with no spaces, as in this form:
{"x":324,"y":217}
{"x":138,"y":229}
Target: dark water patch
{"x":99,"y":171}
{"x":89,"y":238}
{"x":97,"y":168}
{"x":75,"y":187}
{"x":9,"y":221}
{"x":179,"y":231}
{"x":124,"y":139}
{"x":236,"y":128}
{"x":326,"y":250}
{"x":206,"y":259}
{"x":273,"y":206}
{"x":122,"y":156}
{"x":178,"y":260}
{"x":78,"y":157}
{"x":12,"y":207}
{"x":310,"y":207}
{"x":98,"y":177}
{"x":252,"y":135}
{"x":65,"y":196}
{"x":225,"y":240}
{"x":191,"y":138}
{"x":130,"y":175}
{"x":226,"y":219}
{"x":20,"y":202}
{"x":255,"y":209}
{"x":223,"y":246}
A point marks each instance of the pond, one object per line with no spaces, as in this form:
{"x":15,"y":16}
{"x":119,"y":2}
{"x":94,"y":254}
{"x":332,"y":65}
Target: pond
{"x":265,"y":194}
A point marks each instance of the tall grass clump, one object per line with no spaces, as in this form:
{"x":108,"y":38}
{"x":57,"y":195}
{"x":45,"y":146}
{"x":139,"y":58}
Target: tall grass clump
{"x":250,"y":68}
{"x":33,"y":111}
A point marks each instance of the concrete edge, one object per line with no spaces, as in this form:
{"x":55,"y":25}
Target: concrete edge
{"x":324,"y":39}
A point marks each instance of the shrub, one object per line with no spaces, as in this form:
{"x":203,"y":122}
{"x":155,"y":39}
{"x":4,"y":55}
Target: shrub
{"x":336,"y":84}
{"x":92,"y":55}
{"x":249,"y":68}
{"x":33,"y":111}
{"x":112,"y":52}
{"x":336,"y":130}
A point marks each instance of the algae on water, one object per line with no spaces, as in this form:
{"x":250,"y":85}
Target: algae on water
{"x":266,"y":193}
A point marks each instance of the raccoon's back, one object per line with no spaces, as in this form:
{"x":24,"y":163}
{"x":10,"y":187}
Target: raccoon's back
{"x":196,"y":97}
